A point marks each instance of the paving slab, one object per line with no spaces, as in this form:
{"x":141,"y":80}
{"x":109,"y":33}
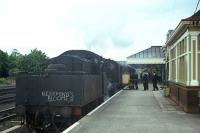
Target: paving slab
{"x":137,"y":111}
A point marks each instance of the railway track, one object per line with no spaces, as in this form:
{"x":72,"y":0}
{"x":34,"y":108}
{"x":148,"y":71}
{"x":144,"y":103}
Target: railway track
{"x":7,"y":114}
{"x":7,"y":90}
{"x":7,"y":96}
{"x":7,"y":99}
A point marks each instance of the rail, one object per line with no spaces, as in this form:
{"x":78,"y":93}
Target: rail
{"x":8,"y":117}
{"x":7,"y":110}
{"x":10,"y":90}
{"x":7,"y":114}
{"x":7,"y":99}
{"x":7,"y":95}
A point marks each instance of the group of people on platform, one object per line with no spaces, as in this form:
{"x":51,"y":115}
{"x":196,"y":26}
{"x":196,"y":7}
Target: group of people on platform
{"x":145,"y":81}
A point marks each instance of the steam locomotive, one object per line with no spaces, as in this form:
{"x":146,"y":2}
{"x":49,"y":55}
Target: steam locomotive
{"x":73,"y":84}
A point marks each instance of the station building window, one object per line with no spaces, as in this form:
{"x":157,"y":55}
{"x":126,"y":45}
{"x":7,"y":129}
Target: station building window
{"x":182,"y":69}
{"x":199,"y":65}
{"x":173,"y":72}
{"x":182,"y":65}
{"x":179,"y":59}
{"x":198,"y":47}
{"x":173,"y":63}
{"x":198,"y":43}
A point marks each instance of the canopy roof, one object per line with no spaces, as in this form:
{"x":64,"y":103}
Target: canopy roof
{"x":152,"y":52}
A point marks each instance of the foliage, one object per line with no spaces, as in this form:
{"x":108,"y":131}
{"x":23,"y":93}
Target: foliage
{"x":4,"y":69}
{"x":14,"y":62}
{"x":6,"y":81}
{"x":36,"y":61}
{"x":10,"y":65}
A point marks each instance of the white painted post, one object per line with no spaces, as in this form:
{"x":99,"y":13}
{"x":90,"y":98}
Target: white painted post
{"x":188,"y":60}
{"x":177,"y":63}
{"x":197,"y":64}
{"x":194,"y":82}
{"x":170,"y":67}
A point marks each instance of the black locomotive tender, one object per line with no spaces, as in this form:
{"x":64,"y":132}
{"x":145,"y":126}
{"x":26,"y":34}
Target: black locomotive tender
{"x":73,"y":84}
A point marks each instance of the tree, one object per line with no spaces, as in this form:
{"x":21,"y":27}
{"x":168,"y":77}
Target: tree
{"x":36,"y":61}
{"x":3,"y":64}
{"x":14,"y":62}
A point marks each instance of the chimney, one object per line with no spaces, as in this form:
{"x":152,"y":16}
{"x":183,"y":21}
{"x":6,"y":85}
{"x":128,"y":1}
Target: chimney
{"x":169,"y":33}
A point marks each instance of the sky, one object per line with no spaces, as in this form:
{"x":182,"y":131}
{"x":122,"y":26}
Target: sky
{"x":114,"y":29}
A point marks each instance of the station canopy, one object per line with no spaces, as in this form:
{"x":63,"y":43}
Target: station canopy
{"x":152,"y":55}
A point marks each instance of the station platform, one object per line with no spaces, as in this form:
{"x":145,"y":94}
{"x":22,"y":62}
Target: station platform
{"x":137,"y":111}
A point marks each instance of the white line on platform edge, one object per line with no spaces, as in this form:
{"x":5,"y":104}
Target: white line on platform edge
{"x":90,"y":113}
{"x":71,"y":127}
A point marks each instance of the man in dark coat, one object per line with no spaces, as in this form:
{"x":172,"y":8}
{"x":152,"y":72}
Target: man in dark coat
{"x":155,"y":81}
{"x":135,"y":80}
{"x":145,"y":81}
{"x":131,"y":86}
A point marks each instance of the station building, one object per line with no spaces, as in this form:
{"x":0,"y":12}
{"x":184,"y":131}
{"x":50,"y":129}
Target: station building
{"x":183,"y":63}
{"x":149,"y":60}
